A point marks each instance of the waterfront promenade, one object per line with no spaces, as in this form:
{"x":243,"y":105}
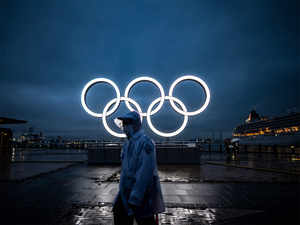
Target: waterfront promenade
{"x":224,"y":189}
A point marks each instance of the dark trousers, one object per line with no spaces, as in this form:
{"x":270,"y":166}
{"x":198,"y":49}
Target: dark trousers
{"x":121,"y":217}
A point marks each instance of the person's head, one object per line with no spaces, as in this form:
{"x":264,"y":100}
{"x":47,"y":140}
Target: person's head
{"x":131,"y":123}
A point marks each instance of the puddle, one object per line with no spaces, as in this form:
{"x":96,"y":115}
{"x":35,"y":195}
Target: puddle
{"x":101,"y":214}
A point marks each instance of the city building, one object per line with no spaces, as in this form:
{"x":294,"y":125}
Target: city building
{"x":6,"y":134}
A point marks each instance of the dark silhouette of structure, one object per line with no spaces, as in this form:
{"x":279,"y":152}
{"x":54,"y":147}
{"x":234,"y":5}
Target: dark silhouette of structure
{"x":6,"y":135}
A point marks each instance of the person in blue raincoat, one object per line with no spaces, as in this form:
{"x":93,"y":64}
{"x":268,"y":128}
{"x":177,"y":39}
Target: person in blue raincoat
{"x":139,"y":195}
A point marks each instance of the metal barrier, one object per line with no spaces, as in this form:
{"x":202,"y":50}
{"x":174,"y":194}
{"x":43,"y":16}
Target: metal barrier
{"x":165,"y":153}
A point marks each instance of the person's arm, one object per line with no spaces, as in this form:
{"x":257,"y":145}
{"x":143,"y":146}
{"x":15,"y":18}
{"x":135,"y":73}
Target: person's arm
{"x":144,"y":174}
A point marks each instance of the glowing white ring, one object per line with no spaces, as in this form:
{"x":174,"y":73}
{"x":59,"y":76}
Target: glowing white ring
{"x":89,"y":85}
{"x":162,"y":133}
{"x":149,"y":110}
{"x":105,"y":113}
{"x":198,"y":80}
{"x":149,"y":79}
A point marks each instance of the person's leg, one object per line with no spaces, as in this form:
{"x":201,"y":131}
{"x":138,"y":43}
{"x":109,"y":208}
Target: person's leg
{"x":120,"y":215}
{"x":146,"y":221}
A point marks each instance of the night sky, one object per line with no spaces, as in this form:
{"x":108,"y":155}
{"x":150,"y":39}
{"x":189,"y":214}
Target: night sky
{"x":248,"y":53}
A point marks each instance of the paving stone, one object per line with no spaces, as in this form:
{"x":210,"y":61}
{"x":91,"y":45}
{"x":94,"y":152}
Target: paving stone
{"x":84,"y":215}
{"x":82,"y":192}
{"x":22,"y":171}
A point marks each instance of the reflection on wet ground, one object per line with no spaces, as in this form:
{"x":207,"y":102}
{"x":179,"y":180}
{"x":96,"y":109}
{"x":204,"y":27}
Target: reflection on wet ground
{"x":290,"y":163}
{"x":216,"y":173}
{"x":102,"y":215}
{"x":280,"y":161}
{"x":194,"y":194}
{"x":182,"y":173}
{"x":83,"y":194}
{"x":184,"y":216}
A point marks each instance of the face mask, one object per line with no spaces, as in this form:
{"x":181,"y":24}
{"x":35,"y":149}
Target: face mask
{"x":129,"y":131}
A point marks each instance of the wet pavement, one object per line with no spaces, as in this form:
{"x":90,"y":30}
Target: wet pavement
{"x":217,"y":173}
{"x":281,"y":162}
{"x":204,"y":194}
{"x":176,"y":215}
{"x":18,"y":172}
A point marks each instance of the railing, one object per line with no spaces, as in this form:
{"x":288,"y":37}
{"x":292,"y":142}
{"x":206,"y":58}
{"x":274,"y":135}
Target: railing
{"x":167,"y":153}
{"x":161,"y":145}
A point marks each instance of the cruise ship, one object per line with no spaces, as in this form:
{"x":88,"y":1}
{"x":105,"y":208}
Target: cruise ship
{"x":279,"y":131}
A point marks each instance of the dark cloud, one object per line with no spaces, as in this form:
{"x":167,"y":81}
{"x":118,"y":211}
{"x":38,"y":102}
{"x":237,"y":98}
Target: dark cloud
{"x":247,"y":52}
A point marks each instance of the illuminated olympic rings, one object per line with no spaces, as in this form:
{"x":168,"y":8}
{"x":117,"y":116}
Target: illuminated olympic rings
{"x":116,"y":101}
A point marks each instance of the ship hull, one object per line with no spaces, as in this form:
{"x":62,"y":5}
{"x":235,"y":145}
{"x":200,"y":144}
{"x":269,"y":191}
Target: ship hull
{"x":285,"y":140}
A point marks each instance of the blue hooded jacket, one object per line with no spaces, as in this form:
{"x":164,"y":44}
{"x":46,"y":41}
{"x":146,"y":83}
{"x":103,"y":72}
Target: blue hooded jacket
{"x":139,"y":181}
